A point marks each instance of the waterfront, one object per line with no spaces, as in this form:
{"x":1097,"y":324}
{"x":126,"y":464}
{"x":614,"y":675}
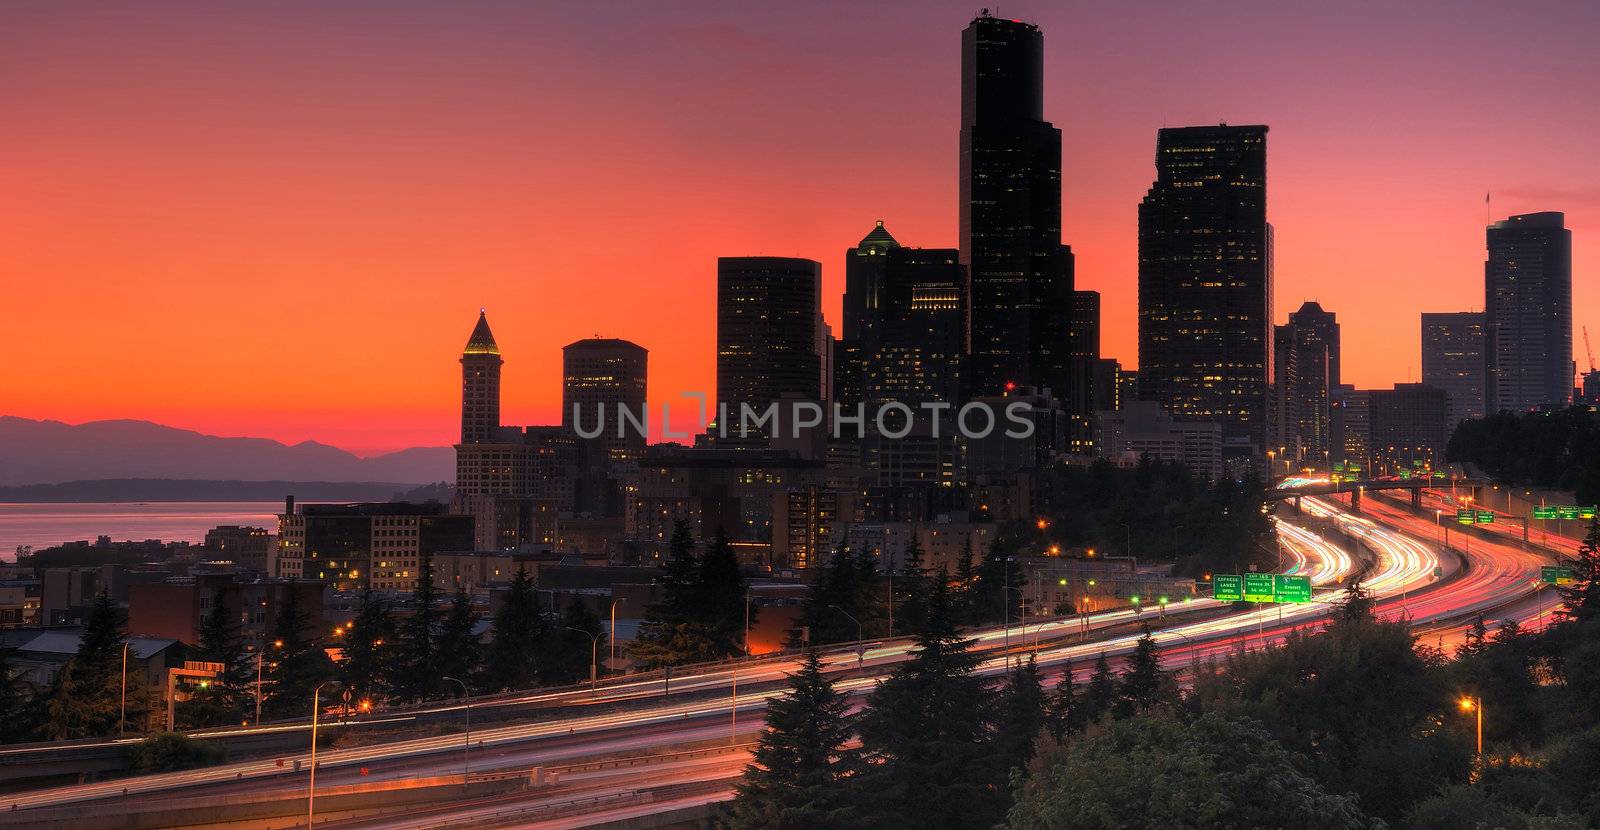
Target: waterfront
{"x":44,"y":525}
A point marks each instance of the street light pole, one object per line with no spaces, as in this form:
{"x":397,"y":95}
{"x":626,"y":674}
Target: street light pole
{"x":466,"y":749}
{"x":257,"y":721}
{"x":1474,"y":704}
{"x":311,"y":791}
{"x":122,"y":717}
{"x":594,"y":654}
{"x":861,"y":653}
{"x":611,"y":661}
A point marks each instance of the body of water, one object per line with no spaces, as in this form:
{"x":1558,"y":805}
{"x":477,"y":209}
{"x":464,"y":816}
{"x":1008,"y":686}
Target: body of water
{"x":44,"y":525}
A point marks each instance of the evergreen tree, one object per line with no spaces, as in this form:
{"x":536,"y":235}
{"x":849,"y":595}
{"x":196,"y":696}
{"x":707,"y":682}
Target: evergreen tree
{"x":369,"y":665}
{"x":569,"y":652}
{"x":843,"y":586}
{"x":990,"y":597}
{"x":1143,"y":685}
{"x":1476,"y":636}
{"x":801,"y":765}
{"x":460,"y":651}
{"x":417,"y":675}
{"x":1357,"y":605}
{"x":1065,"y":708}
{"x":227,"y":697}
{"x":925,"y":736}
{"x":300,"y":663}
{"x":513,"y":658}
{"x":673,"y":631}
{"x":1582,"y":597}
{"x":1021,"y":717}
{"x":85,"y":701}
{"x":720,"y":598}
{"x":1101,"y":693}
{"x":911,"y":591}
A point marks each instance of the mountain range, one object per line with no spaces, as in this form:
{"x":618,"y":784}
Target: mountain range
{"x":50,"y":452}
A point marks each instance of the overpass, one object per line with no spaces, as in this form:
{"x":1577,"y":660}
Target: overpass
{"x":1296,"y":487}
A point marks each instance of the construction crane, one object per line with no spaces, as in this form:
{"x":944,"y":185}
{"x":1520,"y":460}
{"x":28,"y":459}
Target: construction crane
{"x":1590,"y":349}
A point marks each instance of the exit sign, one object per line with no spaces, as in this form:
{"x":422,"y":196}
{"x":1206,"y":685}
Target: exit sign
{"x":1227,"y":587}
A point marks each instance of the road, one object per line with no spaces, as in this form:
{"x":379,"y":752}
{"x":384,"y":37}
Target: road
{"x":1408,"y":577}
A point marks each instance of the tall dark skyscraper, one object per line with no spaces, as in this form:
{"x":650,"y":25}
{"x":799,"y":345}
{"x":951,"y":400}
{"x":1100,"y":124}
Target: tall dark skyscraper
{"x":914,"y":355}
{"x":1527,"y":308}
{"x":602,"y":376}
{"x":1019,"y":274}
{"x":480,"y":385}
{"x":769,"y":327}
{"x":1306,"y":370}
{"x":1205,"y":282}
{"x":863,"y":280}
{"x":1453,"y":360}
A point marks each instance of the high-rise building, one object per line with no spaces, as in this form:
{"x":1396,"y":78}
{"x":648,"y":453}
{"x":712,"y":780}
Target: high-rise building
{"x":480,"y":384}
{"x":1306,"y":361}
{"x":1019,"y":274}
{"x":1408,"y":427}
{"x":1528,"y":312}
{"x":863,"y":280}
{"x":1205,"y":282}
{"x":914,"y":352}
{"x":769,"y":329}
{"x":601,"y":378}
{"x":1453,"y":359}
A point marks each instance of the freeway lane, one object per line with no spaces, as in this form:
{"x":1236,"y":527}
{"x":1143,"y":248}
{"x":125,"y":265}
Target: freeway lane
{"x":1404,"y":566}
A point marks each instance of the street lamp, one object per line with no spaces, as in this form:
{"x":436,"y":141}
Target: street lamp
{"x":861,"y":653}
{"x":122,"y":717}
{"x":466,"y":749}
{"x":311,"y":791}
{"x":611,"y":661}
{"x":594,"y":653}
{"x":1474,"y":704}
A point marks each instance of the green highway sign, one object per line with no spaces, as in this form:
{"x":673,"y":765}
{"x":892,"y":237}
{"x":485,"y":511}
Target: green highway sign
{"x":1227,"y":587}
{"x":1464,"y":515}
{"x":1258,"y":587}
{"x":1586,"y":512}
{"x":1291,"y":588}
{"x":1404,"y":474}
{"x":1556,"y":576}
{"x":1566,"y":511}
{"x":1544,"y":513}
{"x":1485,"y":517}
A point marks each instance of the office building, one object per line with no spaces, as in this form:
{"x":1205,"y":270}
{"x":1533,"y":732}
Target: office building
{"x":1205,"y":282}
{"x":1408,"y":427}
{"x":1453,"y":359}
{"x":769,"y":335}
{"x":1306,"y":361}
{"x":603,"y":378}
{"x":1142,"y":429}
{"x":1528,"y":313}
{"x":1019,"y":274}
{"x":377,"y":545}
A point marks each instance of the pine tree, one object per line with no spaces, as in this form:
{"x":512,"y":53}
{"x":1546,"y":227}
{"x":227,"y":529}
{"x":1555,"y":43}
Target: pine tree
{"x":1357,"y":605}
{"x":843,"y":586}
{"x":568,"y":652}
{"x":990,"y":596}
{"x":1582,"y":598}
{"x":911,"y":591}
{"x":1064,"y":710}
{"x":460,"y":651}
{"x":672,"y":632}
{"x":417,"y":676}
{"x":227,"y":697}
{"x":513,"y":659}
{"x":1476,"y":637}
{"x":925,"y":736}
{"x":1101,"y":693}
{"x":1143,"y":684}
{"x":299,"y":664}
{"x":720,"y":598}
{"x":801,"y":765}
{"x":369,"y":650}
{"x":1021,"y":717}
{"x":86,"y":698}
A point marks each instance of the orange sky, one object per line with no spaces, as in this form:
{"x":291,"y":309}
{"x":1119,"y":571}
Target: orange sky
{"x":282,"y":221}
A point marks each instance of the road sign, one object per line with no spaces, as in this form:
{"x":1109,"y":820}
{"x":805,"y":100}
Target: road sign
{"x":1464,"y":515}
{"x":1544,"y":513}
{"x":1553,"y":575}
{"x":1287,"y":588}
{"x":1485,"y":517}
{"x":1586,"y":512}
{"x":1404,"y":474}
{"x":1258,"y":587}
{"x":1227,"y":587}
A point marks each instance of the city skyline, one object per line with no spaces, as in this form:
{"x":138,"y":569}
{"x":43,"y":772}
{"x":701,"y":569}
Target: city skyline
{"x":188,"y":252}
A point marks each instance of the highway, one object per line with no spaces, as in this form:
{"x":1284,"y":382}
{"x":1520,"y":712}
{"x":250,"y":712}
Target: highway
{"x":1407,"y":576}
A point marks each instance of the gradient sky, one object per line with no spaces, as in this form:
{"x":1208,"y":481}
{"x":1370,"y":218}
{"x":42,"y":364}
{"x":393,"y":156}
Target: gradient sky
{"x":281,"y":219}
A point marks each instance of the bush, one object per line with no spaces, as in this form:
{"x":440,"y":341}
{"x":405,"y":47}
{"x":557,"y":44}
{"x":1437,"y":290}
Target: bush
{"x":166,"y":751}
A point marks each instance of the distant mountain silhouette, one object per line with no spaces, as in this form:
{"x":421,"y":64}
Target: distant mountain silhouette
{"x":50,"y":452}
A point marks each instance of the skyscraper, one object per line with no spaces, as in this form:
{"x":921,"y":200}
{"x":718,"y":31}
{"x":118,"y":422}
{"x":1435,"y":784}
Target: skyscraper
{"x":601,"y":377}
{"x":1453,"y":360}
{"x":914,"y":355}
{"x":1306,"y":367}
{"x":769,"y":327}
{"x":480,"y":384}
{"x":863,"y":280}
{"x":1527,"y":282}
{"x":1205,"y":282}
{"x":1019,"y":274}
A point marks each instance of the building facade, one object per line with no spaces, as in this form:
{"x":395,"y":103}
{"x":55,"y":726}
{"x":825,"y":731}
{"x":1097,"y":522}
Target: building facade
{"x":1453,"y":359}
{"x":769,"y":334}
{"x":1205,"y":282}
{"x":1528,"y":313}
{"x":1306,"y":365}
{"x":377,"y":545}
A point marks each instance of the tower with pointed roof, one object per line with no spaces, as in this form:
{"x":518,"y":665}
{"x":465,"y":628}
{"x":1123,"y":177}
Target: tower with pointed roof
{"x":480,"y":385}
{"x":863,"y":280}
